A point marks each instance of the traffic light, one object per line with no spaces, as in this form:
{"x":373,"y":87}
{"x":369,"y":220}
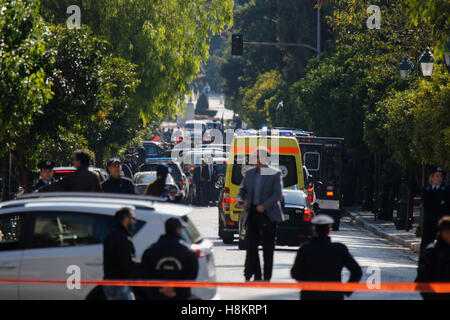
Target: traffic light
{"x":237,"y":44}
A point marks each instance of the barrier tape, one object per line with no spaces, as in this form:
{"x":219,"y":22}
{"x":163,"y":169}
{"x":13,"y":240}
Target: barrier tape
{"x":433,"y":287}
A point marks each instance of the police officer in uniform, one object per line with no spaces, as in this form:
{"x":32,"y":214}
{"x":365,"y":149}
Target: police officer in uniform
{"x":170,"y":258}
{"x":116,"y":183}
{"x":322,"y":260}
{"x":45,"y":174}
{"x":127,"y":166}
{"x":436,"y":204}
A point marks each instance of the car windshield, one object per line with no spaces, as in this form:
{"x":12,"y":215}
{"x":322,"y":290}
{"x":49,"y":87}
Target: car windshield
{"x":149,"y":177}
{"x":175,"y":170}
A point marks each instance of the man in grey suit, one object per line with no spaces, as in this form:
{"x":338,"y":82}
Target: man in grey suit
{"x":260,"y":195}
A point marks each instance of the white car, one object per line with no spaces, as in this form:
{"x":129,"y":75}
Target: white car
{"x":42,"y":235}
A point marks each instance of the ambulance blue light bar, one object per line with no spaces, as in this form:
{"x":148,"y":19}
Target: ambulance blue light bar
{"x":286,"y":134}
{"x":159,"y":159}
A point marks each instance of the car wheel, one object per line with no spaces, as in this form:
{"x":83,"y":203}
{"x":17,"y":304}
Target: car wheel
{"x":228,"y":237}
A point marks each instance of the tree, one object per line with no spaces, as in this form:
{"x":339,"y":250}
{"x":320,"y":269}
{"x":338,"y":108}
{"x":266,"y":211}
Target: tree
{"x":166,"y":39}
{"x":24,"y":85}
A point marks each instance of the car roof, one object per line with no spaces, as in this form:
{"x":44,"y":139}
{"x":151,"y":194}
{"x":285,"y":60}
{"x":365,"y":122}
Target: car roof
{"x":92,"y":199}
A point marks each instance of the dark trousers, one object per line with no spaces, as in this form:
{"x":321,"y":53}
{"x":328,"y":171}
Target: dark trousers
{"x":259,"y":230}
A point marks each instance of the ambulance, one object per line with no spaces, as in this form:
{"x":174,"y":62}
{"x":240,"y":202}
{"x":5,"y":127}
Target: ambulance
{"x":285,"y":155}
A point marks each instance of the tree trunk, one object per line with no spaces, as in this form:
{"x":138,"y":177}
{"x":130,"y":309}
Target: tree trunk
{"x":21,"y":172}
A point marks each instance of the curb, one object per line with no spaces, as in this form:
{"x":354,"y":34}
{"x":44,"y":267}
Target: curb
{"x":356,"y":218}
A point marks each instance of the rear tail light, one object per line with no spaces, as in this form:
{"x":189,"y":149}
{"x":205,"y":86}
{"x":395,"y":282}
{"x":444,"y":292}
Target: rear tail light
{"x":182,"y":181}
{"x":226,"y":198}
{"x":310,"y":195}
{"x":230,"y":223}
{"x":307,"y":215}
{"x":330,"y":193}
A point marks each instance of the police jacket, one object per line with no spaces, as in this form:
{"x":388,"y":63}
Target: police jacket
{"x":169,"y":258}
{"x":121,"y":185}
{"x":80,"y":180}
{"x":434,"y":266}
{"x":322,"y":260}
{"x":436,"y":204}
{"x":119,"y":260}
{"x":41,"y":183}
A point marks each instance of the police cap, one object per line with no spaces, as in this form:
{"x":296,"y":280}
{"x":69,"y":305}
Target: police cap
{"x":113,"y":160}
{"x":46,"y":164}
{"x":436,"y":169}
{"x":322,"y":219}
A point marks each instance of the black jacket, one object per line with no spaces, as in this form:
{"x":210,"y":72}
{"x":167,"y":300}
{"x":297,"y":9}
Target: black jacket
{"x":121,"y":185}
{"x":169,"y":258}
{"x":434,"y":266}
{"x":322,"y":260}
{"x":41,"y":184}
{"x":119,"y":255}
{"x":436,"y":204}
{"x":81,"y":180}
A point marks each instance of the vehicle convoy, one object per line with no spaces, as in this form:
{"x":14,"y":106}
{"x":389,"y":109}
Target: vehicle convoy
{"x":284,"y":148}
{"x":46,"y":233}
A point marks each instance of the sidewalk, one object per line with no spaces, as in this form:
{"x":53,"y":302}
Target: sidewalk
{"x":386,"y":229}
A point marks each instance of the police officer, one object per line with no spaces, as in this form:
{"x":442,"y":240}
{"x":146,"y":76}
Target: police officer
{"x":322,"y":260}
{"x":119,"y":258}
{"x":434,"y":266}
{"x":45,"y":174}
{"x":127,"y":166}
{"x":116,"y":183}
{"x":170,"y":258}
{"x":436,"y":204}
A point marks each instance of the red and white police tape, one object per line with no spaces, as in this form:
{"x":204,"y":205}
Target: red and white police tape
{"x":434,"y":287}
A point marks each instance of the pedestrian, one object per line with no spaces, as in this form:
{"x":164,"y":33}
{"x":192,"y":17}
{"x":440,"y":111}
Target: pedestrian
{"x":435,"y":263}
{"x":127,"y":166}
{"x":158,"y":187}
{"x":170,"y":258}
{"x":211,"y":181}
{"x":260,"y":195}
{"x":200,"y":180}
{"x":320,"y":260}
{"x":80,"y":180}
{"x":46,"y":174}
{"x":119,"y":262}
{"x":436,"y":204}
{"x":116,"y":183}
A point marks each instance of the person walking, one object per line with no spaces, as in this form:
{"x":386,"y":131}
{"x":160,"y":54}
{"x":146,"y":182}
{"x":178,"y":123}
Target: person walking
{"x":435,"y":263}
{"x":116,"y":183}
{"x":436,"y":204}
{"x":119,"y":262}
{"x":170,"y":258}
{"x":322,"y":260}
{"x":200,"y":181}
{"x":81,"y":180}
{"x":260,"y":196}
{"x":45,"y":174}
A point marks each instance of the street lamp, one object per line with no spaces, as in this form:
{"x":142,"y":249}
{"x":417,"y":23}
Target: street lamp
{"x":427,"y":62}
{"x":405,"y":67}
{"x":447,"y":52}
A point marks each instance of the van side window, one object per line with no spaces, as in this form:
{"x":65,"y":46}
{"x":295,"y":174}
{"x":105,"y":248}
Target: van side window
{"x":10,"y":231}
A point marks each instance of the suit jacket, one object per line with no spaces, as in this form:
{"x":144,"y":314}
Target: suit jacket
{"x":81,"y":180}
{"x":271,"y":186}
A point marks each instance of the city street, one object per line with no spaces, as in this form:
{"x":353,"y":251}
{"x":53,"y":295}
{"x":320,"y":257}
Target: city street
{"x":396,"y":264}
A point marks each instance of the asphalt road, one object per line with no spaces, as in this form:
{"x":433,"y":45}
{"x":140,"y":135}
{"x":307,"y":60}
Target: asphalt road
{"x":396,"y":264}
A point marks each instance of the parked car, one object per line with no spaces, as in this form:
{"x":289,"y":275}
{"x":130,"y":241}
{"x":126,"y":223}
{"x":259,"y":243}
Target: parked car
{"x":46,"y":233}
{"x":177,"y":173}
{"x":296,"y":227}
{"x":143,"y":179}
